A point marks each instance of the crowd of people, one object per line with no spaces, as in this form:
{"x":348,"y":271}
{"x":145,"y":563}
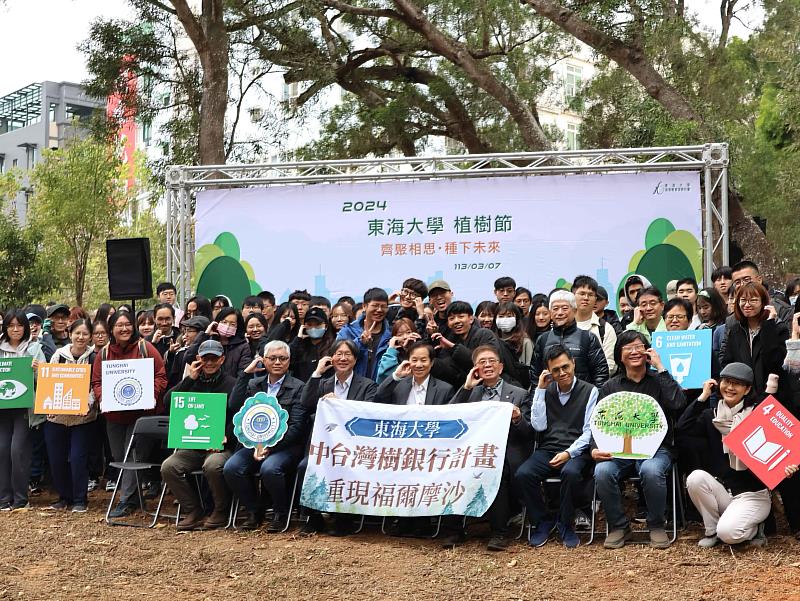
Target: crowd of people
{"x":553,"y":356}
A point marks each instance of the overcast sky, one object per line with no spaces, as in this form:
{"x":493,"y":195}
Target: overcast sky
{"x":40,"y":37}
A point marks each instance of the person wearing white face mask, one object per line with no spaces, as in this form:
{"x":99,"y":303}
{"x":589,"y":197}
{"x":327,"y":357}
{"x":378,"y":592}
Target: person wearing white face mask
{"x":313,"y":342}
{"x":510,"y":325}
{"x":792,"y":291}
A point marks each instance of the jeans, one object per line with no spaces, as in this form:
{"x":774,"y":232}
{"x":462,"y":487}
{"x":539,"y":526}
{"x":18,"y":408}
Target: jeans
{"x":68,"y":454}
{"x":274,"y":472}
{"x":16,"y":448}
{"x":653,"y":473}
{"x":536,"y":470}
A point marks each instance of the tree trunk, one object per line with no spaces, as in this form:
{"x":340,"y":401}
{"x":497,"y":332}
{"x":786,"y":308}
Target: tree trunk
{"x":627,"y":444}
{"x":754,"y":244}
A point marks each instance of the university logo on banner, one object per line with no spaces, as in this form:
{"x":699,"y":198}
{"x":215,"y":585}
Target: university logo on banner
{"x":766,"y":441}
{"x":399,"y":460}
{"x":16,"y":383}
{"x":686,"y":354}
{"x":128,"y":385}
{"x":63,"y":389}
{"x":197,"y":420}
{"x":261,"y":422}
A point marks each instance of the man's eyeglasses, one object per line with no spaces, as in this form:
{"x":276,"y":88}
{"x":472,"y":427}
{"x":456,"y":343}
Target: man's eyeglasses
{"x":675,"y":317}
{"x":649,"y":304}
{"x":277,"y":358}
{"x":749,"y":301}
{"x":487,"y":362}
{"x":636,"y":348}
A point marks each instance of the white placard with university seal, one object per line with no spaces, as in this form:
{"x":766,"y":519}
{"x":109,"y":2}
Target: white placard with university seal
{"x":128,"y":385}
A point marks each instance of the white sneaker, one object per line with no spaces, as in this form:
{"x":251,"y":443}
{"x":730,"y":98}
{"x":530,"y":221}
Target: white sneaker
{"x":708,"y":542}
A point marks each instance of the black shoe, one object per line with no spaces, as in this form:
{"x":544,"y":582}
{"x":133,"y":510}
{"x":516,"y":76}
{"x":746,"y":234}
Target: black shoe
{"x":152,"y":490}
{"x":252,"y":521}
{"x":314,"y":525}
{"x":498,"y":542}
{"x":451,"y":541}
{"x":343,"y":526}
{"x":277,"y":524}
{"x":122,"y":510}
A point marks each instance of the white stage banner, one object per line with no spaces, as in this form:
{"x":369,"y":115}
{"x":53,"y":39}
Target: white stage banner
{"x":128,"y":385}
{"x":342,"y":238}
{"x":398,"y":460}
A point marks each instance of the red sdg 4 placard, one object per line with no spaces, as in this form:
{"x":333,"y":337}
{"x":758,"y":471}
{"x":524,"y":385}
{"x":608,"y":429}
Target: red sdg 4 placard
{"x":767,"y":441}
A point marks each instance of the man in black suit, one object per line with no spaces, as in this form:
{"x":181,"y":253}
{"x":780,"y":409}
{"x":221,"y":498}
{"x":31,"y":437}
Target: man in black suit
{"x":274,"y":464}
{"x":412,"y":383}
{"x":485,"y":384}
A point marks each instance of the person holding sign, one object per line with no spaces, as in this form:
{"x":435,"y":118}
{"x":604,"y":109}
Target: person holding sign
{"x":562,"y":406}
{"x":273,"y":464}
{"x":634,"y":354}
{"x":126,"y":343}
{"x":70,"y":437}
{"x":205,"y":376}
{"x":16,"y":445}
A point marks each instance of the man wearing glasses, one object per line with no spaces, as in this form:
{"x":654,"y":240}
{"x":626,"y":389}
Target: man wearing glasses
{"x":634,"y":355}
{"x":647,"y":315}
{"x":410,"y":299}
{"x":275,"y":465}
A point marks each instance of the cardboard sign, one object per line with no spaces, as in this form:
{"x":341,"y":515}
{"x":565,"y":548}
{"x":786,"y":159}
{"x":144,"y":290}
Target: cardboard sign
{"x":128,"y":385}
{"x":197,"y":420}
{"x":629,"y":425}
{"x":686,"y":354}
{"x":63,"y":389}
{"x":767,"y":441}
{"x":16,"y":383}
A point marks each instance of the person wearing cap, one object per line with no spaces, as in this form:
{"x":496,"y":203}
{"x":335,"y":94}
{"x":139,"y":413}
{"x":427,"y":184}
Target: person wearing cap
{"x":434,"y":318}
{"x":190,"y":328}
{"x":607,"y":315}
{"x":370,"y":333}
{"x":59,"y":320}
{"x":274,"y":465}
{"x":731,"y":499}
{"x":205,"y":376}
{"x":313,"y":342}
{"x":36,"y":315}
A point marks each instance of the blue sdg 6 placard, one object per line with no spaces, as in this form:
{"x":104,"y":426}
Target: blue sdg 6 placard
{"x":686,"y":354}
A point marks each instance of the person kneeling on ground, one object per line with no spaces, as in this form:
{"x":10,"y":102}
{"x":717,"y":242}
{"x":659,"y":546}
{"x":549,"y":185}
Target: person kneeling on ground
{"x":562,"y":406}
{"x":733,"y":503}
{"x":484,"y":384}
{"x":205,"y":375}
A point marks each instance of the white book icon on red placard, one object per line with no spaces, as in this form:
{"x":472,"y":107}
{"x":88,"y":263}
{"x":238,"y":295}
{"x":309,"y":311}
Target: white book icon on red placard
{"x":759,"y":448}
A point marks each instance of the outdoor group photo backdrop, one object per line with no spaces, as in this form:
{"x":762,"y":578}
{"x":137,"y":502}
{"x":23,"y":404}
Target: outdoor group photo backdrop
{"x":341,"y":238}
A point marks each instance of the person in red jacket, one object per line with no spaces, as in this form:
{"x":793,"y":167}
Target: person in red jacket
{"x":125,"y":343}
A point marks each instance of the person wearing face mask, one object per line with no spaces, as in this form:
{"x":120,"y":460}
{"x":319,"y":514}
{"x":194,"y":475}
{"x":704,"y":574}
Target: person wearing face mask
{"x":69,"y":437}
{"x":510,"y":325}
{"x":228,"y":329}
{"x":313,"y":342}
{"x":792,"y":291}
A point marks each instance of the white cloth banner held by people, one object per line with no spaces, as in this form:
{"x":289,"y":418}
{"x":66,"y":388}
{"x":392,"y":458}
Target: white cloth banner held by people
{"x":128,"y":385}
{"x":417,"y":460}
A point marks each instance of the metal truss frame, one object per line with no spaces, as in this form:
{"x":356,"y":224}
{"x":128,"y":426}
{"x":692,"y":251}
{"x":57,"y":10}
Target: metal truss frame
{"x":711,"y":160}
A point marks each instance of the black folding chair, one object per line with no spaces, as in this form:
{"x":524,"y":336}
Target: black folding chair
{"x":154,"y":428}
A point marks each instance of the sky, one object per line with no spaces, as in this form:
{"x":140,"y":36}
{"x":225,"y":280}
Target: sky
{"x":40,"y":37}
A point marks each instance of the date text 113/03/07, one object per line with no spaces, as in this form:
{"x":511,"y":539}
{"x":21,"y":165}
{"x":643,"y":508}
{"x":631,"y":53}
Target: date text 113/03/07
{"x":462,"y":266}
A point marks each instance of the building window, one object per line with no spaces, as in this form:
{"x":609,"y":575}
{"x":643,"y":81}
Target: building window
{"x":572,"y":82}
{"x":2,"y":164}
{"x":14,"y":163}
{"x":30,"y":156}
{"x":147,"y":132}
{"x":573,"y":143}
{"x":290,"y":91}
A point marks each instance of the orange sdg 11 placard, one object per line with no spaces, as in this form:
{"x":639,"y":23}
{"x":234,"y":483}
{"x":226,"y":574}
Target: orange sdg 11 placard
{"x":62,"y":389}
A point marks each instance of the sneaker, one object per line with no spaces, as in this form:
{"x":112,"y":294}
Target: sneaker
{"x":5,"y":506}
{"x":277,"y":524}
{"x":218,"y":519}
{"x":111,"y":485}
{"x":80,"y":508}
{"x":122,"y":510}
{"x":540,"y":535}
{"x":616,"y":538}
{"x":59,"y":505}
{"x":93,"y":484}
{"x":760,"y":539}
{"x":451,"y":541}
{"x":34,"y":488}
{"x":641,"y":516}
{"x":659,"y":538}
{"x":24,"y":506}
{"x":498,"y":542}
{"x":568,"y":536}
{"x":314,"y":525}
{"x":708,"y":541}
{"x":582,"y":520}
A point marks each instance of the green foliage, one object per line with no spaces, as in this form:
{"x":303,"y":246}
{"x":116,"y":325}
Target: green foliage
{"x":219,"y":270}
{"x":627,"y":414}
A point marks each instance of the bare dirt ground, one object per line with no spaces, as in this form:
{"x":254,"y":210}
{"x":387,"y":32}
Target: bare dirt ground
{"x":44,"y":555}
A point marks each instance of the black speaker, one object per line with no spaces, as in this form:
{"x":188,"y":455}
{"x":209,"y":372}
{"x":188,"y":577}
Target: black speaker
{"x":129,"y":273}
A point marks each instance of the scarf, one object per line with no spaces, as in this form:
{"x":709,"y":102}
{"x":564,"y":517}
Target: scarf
{"x":725,"y":420}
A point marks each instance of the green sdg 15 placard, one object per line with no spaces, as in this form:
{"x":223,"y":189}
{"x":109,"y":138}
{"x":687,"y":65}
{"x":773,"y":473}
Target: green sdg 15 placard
{"x":197,"y":420}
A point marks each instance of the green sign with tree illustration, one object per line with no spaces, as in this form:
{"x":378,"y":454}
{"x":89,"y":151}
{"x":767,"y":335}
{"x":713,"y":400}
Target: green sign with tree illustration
{"x":629,"y":425}
{"x":16,"y":383}
{"x":197,"y":420}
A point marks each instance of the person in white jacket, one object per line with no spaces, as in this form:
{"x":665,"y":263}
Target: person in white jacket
{"x":585,"y":290}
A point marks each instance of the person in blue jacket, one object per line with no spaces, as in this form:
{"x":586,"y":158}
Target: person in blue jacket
{"x":370,"y":333}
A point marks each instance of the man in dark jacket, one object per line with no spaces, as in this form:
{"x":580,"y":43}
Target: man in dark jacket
{"x":610,"y":317}
{"x":485,"y":384}
{"x":434,"y":318}
{"x":634,"y":356}
{"x":410,"y":299}
{"x":205,"y":376}
{"x":590,"y":361}
{"x":276,"y":464}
